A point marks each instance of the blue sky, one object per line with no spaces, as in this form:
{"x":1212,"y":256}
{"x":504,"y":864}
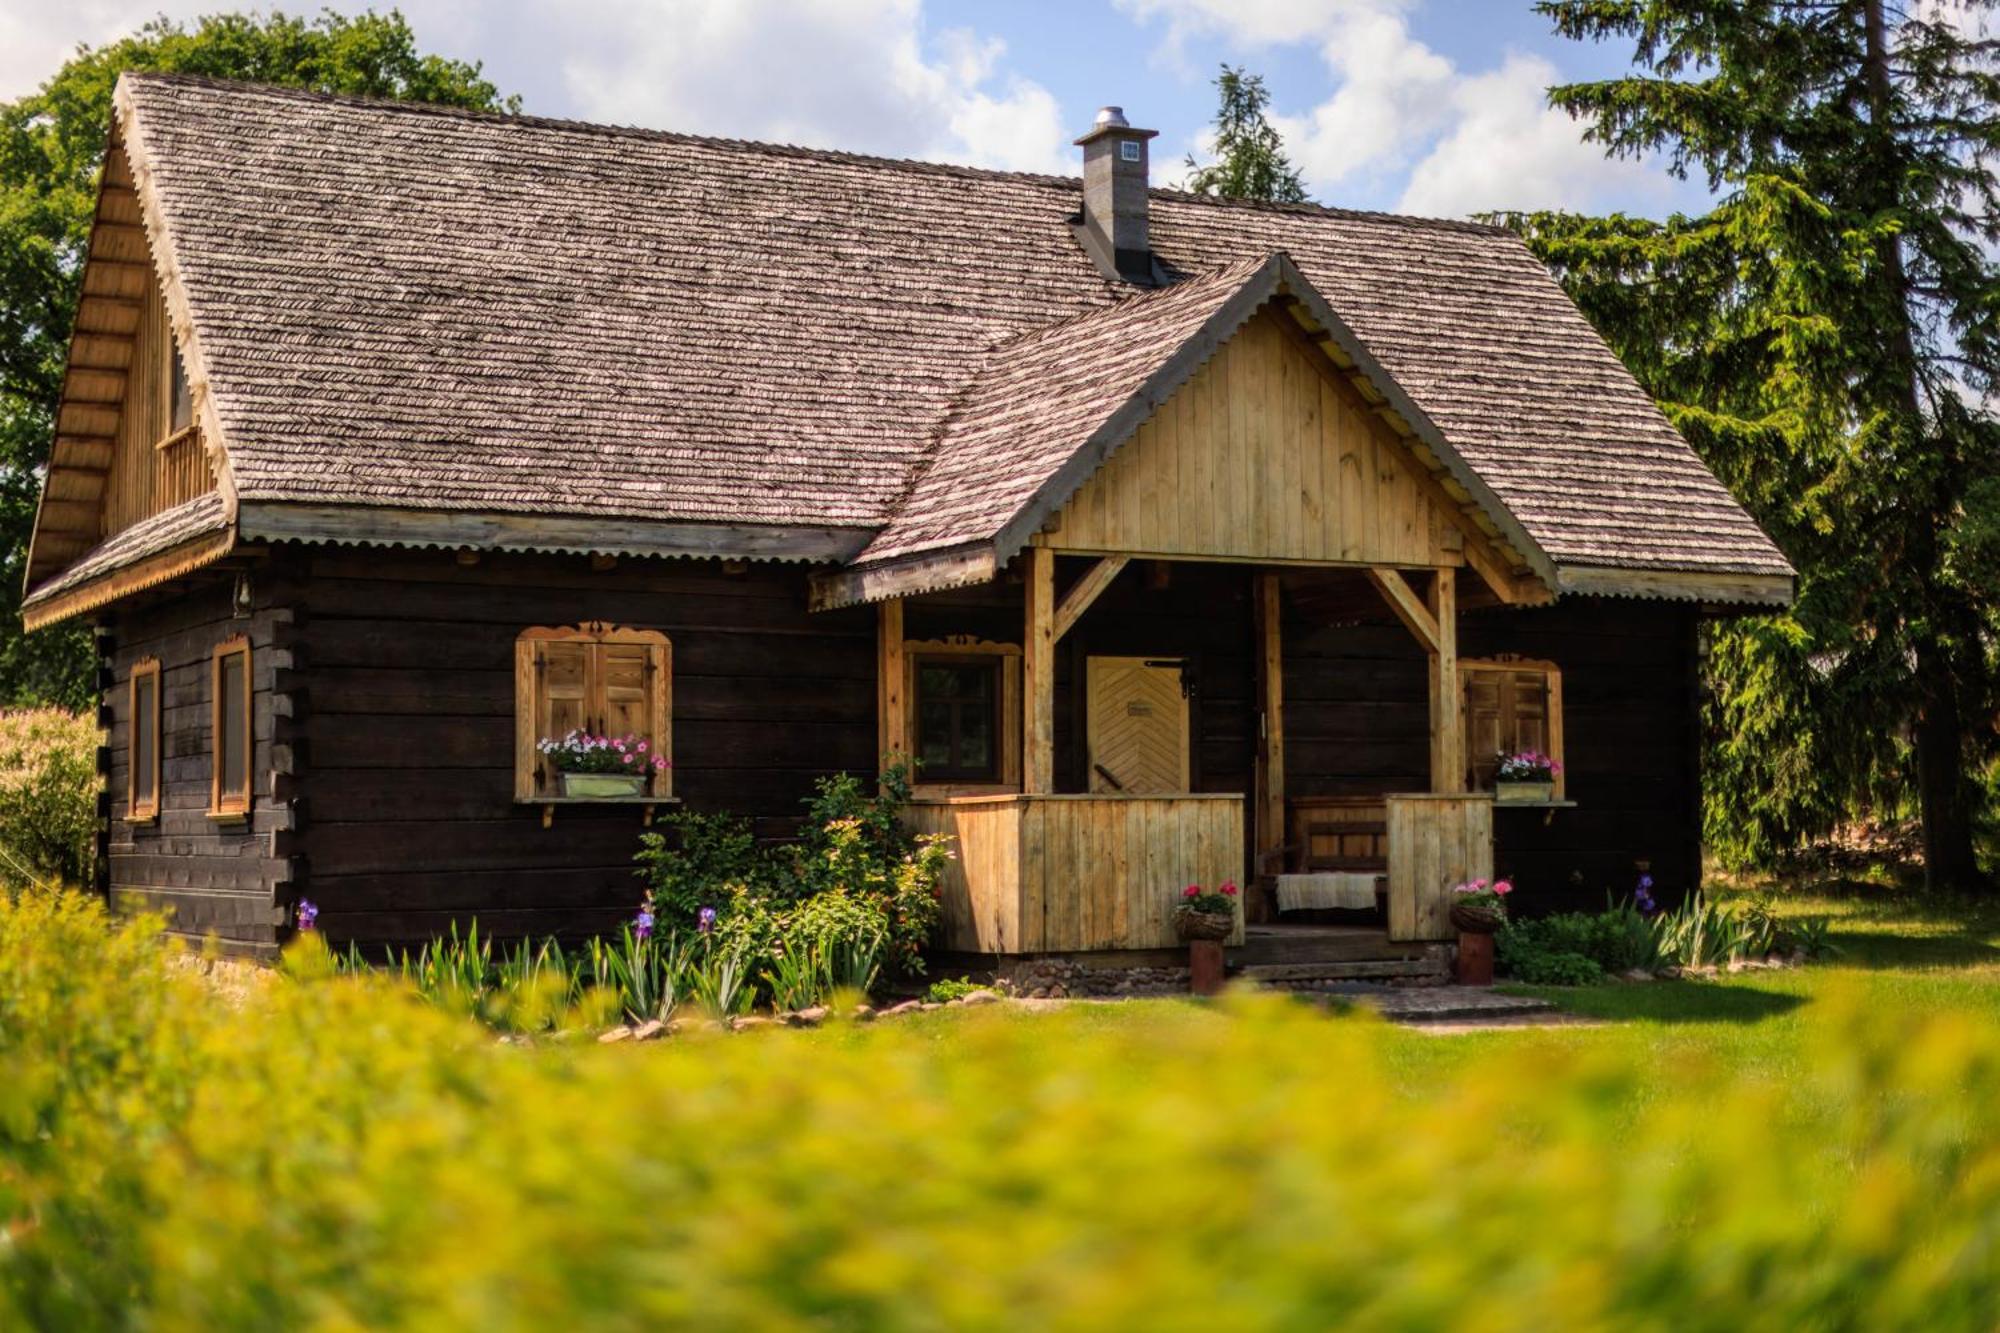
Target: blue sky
{"x":1427,"y":106}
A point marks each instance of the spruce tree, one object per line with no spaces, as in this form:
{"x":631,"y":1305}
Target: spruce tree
{"x":1250,"y":161}
{"x":1828,"y":336}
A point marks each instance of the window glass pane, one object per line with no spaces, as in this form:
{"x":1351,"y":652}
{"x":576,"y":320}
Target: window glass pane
{"x":145,"y":730}
{"x":232,"y":744}
{"x":958,"y":724}
{"x":182,"y":414}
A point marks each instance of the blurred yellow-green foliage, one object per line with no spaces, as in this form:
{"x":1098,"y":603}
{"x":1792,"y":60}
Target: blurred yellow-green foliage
{"x":338,"y":1155}
{"x":48,"y":796}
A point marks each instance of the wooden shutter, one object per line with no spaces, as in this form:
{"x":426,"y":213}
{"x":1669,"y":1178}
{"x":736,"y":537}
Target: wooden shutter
{"x":1510,"y":705}
{"x":594,"y":678}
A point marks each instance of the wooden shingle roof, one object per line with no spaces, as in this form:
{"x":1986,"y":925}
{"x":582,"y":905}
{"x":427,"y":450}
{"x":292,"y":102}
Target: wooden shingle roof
{"x":419,"y":311}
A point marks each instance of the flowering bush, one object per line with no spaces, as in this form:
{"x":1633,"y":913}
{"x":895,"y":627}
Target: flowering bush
{"x":1528,"y":766}
{"x":1221,"y":902}
{"x":48,"y":797}
{"x":581,"y":752}
{"x":339,"y":1155}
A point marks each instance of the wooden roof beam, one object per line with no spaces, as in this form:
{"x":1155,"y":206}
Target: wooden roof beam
{"x":1087,"y":590}
{"x":1409,"y":608}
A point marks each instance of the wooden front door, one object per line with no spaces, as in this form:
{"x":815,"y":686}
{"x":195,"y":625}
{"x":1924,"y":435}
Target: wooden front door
{"x":1137,"y":725}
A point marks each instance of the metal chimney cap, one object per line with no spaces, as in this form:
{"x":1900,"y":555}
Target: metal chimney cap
{"x":1111,"y":117}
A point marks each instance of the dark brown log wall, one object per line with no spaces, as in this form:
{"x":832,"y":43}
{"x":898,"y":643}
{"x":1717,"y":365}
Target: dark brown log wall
{"x":229,"y":878}
{"x":411,"y":730}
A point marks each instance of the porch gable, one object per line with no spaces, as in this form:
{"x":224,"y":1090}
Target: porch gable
{"x":1262,"y":456}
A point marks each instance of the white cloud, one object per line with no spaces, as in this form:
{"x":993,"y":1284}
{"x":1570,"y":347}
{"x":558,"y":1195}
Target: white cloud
{"x":855,"y":74}
{"x":37,"y":36}
{"x":1507,"y":148}
{"x":1463,"y":142}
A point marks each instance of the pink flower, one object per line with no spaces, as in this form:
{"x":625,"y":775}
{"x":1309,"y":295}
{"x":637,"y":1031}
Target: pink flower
{"x":1503,"y":887}
{"x":1229,"y":888}
{"x":630,"y":757}
{"x":1191,"y":891}
{"x":659,"y":765}
{"x":642,"y":747}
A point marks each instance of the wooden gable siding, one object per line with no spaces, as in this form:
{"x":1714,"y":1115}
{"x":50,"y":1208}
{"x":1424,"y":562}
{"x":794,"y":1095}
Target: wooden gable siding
{"x":1261,"y":457}
{"x":108,"y":469}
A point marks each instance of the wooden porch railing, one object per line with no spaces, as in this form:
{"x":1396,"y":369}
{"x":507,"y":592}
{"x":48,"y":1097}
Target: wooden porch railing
{"x":1436,"y":842}
{"x":1048,"y":873}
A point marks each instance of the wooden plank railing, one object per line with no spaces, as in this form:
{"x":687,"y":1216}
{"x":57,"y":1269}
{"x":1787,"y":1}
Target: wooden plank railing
{"x":181,"y":470}
{"x":1436,"y":842}
{"x":1053,"y":873}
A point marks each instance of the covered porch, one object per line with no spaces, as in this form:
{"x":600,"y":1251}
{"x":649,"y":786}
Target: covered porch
{"x":1132,"y":761}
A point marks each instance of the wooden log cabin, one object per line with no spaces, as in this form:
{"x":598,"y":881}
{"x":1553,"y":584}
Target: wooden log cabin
{"x":1178,"y":539}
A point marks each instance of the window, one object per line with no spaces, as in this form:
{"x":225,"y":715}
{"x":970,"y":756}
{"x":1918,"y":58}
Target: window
{"x":1510,"y":705}
{"x":229,"y":694}
{"x":180,"y":407}
{"x":964,"y":713}
{"x":958,"y":719}
{"x":593,"y":678}
{"x":142,"y":787}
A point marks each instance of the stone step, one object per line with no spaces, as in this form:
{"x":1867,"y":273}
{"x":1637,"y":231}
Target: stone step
{"x":1264,"y":944}
{"x":1283,"y":974}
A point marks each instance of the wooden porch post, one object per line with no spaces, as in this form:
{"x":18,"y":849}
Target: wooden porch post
{"x":1447,"y":716}
{"x":1038,"y":675}
{"x":892,"y":713}
{"x":1270,"y":808}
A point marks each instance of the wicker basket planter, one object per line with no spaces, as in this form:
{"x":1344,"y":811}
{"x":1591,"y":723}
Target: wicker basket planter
{"x":1192,"y":925}
{"x":1477,"y":919}
{"x":602,"y":786}
{"x":1522,"y":793}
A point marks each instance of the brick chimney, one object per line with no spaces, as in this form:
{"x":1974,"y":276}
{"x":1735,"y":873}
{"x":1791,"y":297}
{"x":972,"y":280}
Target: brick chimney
{"x":1113,"y":229}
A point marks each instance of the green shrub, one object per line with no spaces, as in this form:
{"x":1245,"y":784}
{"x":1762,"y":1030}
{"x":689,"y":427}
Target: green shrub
{"x":945,"y":989}
{"x":1577,"y":948}
{"x":48,"y":797}
{"x":693,"y":860}
{"x":338,"y":1154}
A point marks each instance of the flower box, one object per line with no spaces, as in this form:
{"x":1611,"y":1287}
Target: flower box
{"x":1193,"y":924}
{"x":1506,"y":792}
{"x":598,"y":786}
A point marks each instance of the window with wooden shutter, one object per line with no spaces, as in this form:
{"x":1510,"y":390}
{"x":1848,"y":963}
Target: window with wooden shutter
{"x":142,"y":786}
{"x":1511,"y":704}
{"x":599,"y":679}
{"x":229,"y":729}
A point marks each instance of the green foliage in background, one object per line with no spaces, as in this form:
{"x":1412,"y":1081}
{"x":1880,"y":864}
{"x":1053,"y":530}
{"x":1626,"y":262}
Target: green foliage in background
{"x":51,"y":144}
{"x":1250,"y":161}
{"x":338,"y":1154}
{"x":1828,"y":338}
{"x":48,"y":797}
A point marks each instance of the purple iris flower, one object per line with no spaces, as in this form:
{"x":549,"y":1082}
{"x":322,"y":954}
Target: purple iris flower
{"x":642,"y":924}
{"x":308,"y":913}
{"x":705,"y":920}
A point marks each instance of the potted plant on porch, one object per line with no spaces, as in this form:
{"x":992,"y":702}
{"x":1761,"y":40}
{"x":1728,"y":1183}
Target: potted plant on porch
{"x":1478,"y":909}
{"x":601,"y":767}
{"x":1204,"y":915}
{"x":1527,"y":775}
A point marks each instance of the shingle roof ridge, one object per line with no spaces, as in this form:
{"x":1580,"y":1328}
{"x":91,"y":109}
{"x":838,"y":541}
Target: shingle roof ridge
{"x":843,"y":156}
{"x":523,"y":121}
{"x":1308,"y":208}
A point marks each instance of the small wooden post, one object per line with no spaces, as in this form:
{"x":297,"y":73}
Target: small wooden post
{"x":1447,"y":715}
{"x":1205,"y":967}
{"x":1475,"y":959}
{"x":1038,"y":674}
{"x":892,"y":711}
{"x":1270,"y":810}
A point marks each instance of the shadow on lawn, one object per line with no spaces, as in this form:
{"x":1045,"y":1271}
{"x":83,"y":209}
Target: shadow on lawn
{"x":1669,"y":1002}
